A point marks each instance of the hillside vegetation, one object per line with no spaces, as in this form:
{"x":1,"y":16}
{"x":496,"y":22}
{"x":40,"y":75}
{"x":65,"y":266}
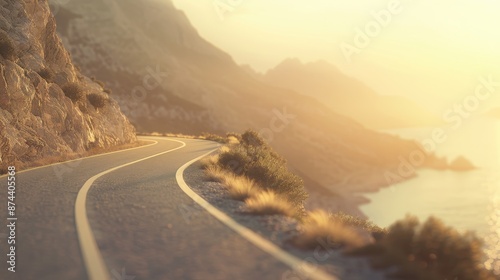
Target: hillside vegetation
{"x":254,"y":173}
{"x":170,"y":78}
{"x":428,"y":251}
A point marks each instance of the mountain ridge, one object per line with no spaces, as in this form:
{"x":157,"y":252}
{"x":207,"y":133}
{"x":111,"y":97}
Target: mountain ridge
{"x":347,"y":95}
{"x":335,"y":150}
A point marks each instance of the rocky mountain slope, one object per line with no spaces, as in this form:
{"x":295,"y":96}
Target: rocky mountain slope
{"x":37,"y":118}
{"x":179,"y":82}
{"x":348,"y":96}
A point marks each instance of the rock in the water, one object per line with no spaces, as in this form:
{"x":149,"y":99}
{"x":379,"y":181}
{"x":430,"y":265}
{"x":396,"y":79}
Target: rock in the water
{"x":38,"y":118}
{"x":461,"y":164}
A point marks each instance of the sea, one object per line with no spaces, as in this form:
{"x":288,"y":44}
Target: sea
{"x":468,"y":201}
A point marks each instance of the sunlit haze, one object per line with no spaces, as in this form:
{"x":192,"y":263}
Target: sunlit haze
{"x":433,"y":52}
{"x":250,"y":139}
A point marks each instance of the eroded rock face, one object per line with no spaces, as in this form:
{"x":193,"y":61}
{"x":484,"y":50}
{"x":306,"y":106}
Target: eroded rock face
{"x":37,"y":119}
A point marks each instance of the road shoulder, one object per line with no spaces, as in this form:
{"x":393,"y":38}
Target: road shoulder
{"x":277,"y":229}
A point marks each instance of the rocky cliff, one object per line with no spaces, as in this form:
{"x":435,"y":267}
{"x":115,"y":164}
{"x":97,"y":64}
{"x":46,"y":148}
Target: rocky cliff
{"x":47,"y":108}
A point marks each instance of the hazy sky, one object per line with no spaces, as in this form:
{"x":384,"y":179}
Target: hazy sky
{"x":431,"y":51}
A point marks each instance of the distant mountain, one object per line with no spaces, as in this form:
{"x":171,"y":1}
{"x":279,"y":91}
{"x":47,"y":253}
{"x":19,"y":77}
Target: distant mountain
{"x":47,"y":107}
{"x":347,"y":95}
{"x":123,"y":42}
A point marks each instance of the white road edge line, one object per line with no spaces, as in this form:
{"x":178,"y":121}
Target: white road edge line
{"x":82,"y":158}
{"x":94,"y":263}
{"x":301,"y":267}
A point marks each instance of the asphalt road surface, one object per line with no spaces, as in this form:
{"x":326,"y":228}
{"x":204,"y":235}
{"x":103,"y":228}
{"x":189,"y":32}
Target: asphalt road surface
{"x":135,"y":212}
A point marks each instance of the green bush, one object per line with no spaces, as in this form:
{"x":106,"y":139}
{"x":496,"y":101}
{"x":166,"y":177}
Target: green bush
{"x":252,"y":138}
{"x":73,"y":91}
{"x":7,"y":47}
{"x":47,"y":74}
{"x":97,"y":100}
{"x":256,"y":160}
{"x":428,"y":251}
{"x":235,"y":160}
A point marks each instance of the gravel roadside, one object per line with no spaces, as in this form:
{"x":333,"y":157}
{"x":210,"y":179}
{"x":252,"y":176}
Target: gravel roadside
{"x":275,"y":228}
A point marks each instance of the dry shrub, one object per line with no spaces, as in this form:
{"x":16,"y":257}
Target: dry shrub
{"x":239,"y":187}
{"x":269,"y":203}
{"x":318,"y":229}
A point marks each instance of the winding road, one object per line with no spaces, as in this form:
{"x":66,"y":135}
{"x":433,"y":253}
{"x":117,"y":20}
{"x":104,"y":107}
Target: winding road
{"x":126,"y":215}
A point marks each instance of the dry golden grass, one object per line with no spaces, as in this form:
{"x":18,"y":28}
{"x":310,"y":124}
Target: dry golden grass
{"x":268,"y":203}
{"x":232,"y":140}
{"x":240,"y":187}
{"x":356,"y":222}
{"x":215,"y":173}
{"x":174,"y":135}
{"x":180,"y":135}
{"x":155,"y":134}
{"x":319,"y":229}
{"x":213,"y":137}
{"x":224,"y":149}
{"x":213,"y":159}
{"x":209,"y":161}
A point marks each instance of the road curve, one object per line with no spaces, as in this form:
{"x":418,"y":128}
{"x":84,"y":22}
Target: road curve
{"x":96,"y":268}
{"x":128,"y":208}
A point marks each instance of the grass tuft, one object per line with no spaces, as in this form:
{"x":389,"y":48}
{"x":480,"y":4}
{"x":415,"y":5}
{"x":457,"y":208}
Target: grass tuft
{"x":359,"y":223}
{"x":240,"y":187}
{"x":214,"y":137}
{"x":319,"y":229}
{"x":215,"y":174}
{"x":269,"y":203}
{"x":209,"y":161}
{"x":232,"y":140}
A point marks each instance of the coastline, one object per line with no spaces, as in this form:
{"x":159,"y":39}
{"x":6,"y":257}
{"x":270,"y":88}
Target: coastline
{"x":348,"y":196}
